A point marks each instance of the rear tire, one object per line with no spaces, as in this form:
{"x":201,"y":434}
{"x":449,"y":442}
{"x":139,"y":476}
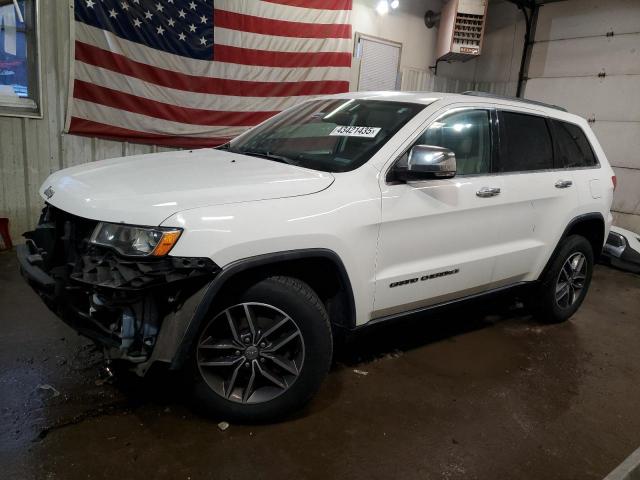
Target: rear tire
{"x":263,"y":354}
{"x":566,"y":282}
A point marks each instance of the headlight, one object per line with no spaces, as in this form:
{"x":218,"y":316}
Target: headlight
{"x":136,"y":241}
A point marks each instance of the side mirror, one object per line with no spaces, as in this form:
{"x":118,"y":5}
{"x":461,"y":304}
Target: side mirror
{"x":425,"y":162}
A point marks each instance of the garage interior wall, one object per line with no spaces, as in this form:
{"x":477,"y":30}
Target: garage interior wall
{"x":496,"y":69}
{"x":31,"y":149}
{"x":586,"y":58}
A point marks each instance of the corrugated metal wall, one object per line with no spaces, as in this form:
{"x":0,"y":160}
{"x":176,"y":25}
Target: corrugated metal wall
{"x":30,"y":149}
{"x":423,"y":81}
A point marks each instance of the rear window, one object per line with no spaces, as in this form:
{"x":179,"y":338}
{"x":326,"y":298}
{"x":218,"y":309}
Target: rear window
{"x":525,"y":143}
{"x":572,"y":147}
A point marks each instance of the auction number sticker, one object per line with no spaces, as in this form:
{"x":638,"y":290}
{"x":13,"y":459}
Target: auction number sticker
{"x":348,"y":131}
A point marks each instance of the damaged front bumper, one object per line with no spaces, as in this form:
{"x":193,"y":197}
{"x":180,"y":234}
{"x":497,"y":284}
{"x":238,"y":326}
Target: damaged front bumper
{"x":137,"y":309}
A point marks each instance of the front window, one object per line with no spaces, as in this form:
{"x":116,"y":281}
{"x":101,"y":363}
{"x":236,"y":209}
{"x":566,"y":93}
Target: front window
{"x":19,"y":64}
{"x":336,"y":135}
{"x":468,"y":135}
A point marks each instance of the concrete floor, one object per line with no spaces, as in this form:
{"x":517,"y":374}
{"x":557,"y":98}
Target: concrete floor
{"x":466,"y":395}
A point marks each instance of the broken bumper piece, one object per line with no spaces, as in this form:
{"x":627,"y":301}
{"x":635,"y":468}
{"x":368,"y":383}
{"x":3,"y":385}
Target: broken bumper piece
{"x":118,"y":302}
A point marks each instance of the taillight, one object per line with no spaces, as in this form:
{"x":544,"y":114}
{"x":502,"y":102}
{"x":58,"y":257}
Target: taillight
{"x":614,"y":180}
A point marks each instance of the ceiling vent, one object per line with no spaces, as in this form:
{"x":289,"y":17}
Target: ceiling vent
{"x":461,"y":30}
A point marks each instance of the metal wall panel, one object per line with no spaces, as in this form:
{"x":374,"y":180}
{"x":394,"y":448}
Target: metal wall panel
{"x":615,"y":98}
{"x":617,"y":55}
{"x":586,"y":57}
{"x":414,"y":80}
{"x":626,"y":198}
{"x":617,"y":140}
{"x":587,"y":18}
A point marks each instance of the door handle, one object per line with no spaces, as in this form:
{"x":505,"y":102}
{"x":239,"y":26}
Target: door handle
{"x":485,"y":192}
{"x":563,"y":183}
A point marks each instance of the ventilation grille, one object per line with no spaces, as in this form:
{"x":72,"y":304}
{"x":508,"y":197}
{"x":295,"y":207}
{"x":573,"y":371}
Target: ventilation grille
{"x":468,"y":30}
{"x":461,"y":29}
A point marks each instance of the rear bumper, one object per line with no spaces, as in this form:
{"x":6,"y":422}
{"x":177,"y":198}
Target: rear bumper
{"x":618,"y":252}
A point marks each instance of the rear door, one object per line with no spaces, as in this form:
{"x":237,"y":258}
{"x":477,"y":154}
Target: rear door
{"x":576,"y":155}
{"x":534,"y":180}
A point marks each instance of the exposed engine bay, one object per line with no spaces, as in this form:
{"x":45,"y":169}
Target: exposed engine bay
{"x":117,"y":301}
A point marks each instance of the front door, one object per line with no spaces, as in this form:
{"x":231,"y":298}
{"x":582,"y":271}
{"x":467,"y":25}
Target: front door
{"x":439,"y":238}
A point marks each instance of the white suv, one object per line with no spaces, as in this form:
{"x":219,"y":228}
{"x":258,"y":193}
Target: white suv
{"x":239,"y":264}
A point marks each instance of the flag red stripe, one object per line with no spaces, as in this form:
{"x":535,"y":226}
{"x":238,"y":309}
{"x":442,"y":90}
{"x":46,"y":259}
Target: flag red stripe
{"x":318,"y":4}
{"x":80,"y":126}
{"x":246,"y":56}
{"x":281,"y":28}
{"x":192,"y":83}
{"x":152,"y":108}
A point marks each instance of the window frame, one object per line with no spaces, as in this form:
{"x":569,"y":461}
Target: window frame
{"x":494,"y":141}
{"x":31,"y":106}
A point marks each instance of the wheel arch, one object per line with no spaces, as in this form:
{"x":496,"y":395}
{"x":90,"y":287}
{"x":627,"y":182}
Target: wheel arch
{"x":589,"y":225}
{"x":321,"y":268}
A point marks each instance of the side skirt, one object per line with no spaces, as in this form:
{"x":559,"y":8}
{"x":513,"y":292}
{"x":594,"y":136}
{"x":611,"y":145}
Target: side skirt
{"x":440,"y":307}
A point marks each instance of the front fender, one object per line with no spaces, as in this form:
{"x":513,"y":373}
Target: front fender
{"x":209,"y":294}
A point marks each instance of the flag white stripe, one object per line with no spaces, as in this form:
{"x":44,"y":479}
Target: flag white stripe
{"x":132,"y":85}
{"x":143,"y":123}
{"x":203,"y":68}
{"x":289,"y":13}
{"x":257,"y":41}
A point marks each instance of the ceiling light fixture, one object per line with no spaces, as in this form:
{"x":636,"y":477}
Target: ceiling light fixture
{"x":382,"y":7}
{"x":395,"y":4}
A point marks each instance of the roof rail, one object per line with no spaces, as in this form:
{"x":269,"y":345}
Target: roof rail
{"x":475,"y":93}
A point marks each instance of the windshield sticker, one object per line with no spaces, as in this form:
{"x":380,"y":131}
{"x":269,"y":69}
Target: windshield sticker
{"x":347,"y":131}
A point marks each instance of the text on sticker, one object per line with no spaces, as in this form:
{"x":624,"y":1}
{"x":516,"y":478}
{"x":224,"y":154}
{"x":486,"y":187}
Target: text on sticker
{"x":347,"y":131}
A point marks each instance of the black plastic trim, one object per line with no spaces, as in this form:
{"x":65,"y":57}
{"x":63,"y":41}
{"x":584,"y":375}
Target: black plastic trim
{"x":32,"y":272}
{"x":526,"y":101}
{"x":440,"y":306}
{"x":249,"y":263}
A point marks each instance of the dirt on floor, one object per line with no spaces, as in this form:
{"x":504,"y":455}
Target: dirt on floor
{"x":474,"y":393}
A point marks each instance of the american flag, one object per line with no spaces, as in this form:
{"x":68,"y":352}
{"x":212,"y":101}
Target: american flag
{"x":198,"y":72}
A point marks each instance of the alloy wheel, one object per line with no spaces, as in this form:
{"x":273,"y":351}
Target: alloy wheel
{"x":250,"y":353}
{"x":571,"y":280}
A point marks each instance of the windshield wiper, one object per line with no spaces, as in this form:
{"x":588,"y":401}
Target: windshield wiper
{"x":267,"y":155}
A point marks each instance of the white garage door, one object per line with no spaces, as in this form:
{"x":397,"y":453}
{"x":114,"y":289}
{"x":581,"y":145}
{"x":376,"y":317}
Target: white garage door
{"x":586,"y":57}
{"x":379,"y":64}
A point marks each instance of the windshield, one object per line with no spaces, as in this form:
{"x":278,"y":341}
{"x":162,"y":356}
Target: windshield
{"x":336,"y":135}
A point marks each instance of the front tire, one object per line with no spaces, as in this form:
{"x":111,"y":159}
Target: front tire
{"x":264,"y":354}
{"x":565,"y":285}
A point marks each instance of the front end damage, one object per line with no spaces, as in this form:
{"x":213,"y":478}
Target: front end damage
{"x":125,"y":305}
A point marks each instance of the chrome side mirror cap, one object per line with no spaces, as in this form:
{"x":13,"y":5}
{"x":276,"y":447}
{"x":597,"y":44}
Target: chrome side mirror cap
{"x":425,"y":162}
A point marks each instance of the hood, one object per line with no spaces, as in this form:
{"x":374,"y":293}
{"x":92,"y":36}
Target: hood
{"x":146,"y":189}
